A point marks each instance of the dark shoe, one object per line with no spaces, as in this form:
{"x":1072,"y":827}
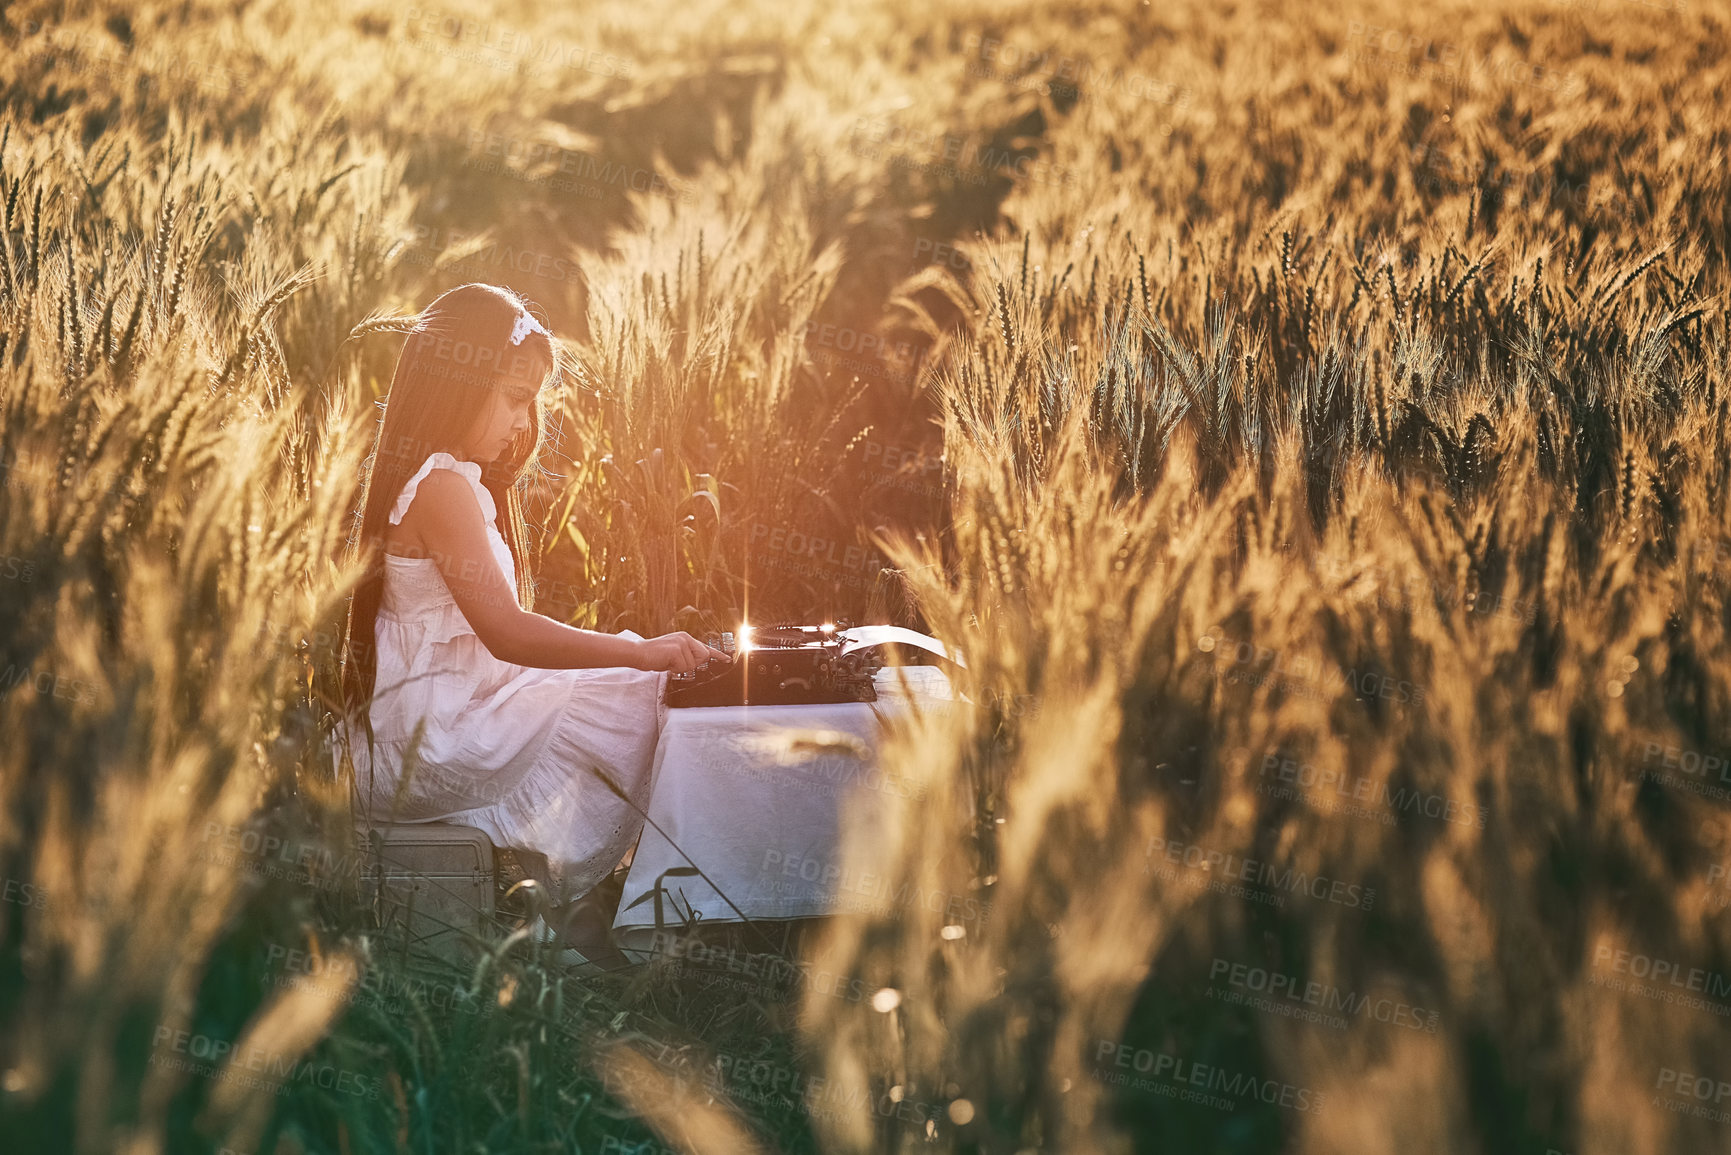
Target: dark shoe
{"x":585,"y":926}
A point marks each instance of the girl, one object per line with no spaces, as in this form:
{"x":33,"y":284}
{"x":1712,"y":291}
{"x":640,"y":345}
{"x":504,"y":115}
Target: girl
{"x":482,"y":712}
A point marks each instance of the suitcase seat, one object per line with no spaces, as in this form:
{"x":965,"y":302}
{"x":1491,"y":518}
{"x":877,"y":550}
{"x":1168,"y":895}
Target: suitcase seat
{"x":431,"y":881}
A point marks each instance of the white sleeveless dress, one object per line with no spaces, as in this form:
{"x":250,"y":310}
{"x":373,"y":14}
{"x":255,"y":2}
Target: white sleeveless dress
{"x":507,"y":749}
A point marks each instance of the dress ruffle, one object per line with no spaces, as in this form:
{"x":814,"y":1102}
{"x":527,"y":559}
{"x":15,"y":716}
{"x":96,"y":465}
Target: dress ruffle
{"x":533,"y":784}
{"x":442,"y":460}
{"x":470,"y":472}
{"x":610,"y":722}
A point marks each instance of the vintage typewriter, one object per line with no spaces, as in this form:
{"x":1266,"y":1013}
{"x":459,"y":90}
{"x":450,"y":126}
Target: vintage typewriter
{"x":794,"y":665}
{"x":779,"y":666}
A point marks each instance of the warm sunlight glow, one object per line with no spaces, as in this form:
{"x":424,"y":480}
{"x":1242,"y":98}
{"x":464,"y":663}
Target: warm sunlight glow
{"x":1268,"y":461}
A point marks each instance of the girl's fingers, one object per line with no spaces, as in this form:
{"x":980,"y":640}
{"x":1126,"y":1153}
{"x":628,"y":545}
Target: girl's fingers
{"x":686,"y":653}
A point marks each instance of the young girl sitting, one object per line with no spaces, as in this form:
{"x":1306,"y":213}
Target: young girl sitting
{"x":483,"y":712}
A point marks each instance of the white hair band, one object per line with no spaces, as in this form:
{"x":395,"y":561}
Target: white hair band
{"x":525,"y":325}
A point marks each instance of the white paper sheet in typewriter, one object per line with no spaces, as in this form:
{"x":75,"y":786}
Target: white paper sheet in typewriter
{"x":864,"y":637}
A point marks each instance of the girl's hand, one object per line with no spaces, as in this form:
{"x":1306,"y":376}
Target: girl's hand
{"x":678,"y":653}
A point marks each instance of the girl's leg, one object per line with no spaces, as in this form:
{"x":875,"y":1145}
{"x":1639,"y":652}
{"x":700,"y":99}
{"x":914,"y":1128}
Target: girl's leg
{"x":586,"y":923}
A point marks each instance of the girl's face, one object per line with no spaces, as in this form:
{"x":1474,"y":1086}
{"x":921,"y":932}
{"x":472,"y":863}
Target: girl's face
{"x":504,"y":417}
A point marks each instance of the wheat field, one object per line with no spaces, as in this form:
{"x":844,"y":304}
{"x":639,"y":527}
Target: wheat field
{"x":1314,"y":425}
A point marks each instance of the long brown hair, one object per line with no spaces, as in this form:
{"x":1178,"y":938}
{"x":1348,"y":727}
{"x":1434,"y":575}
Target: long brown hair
{"x":458,"y":350}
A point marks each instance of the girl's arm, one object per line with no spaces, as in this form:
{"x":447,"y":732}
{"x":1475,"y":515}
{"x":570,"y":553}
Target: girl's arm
{"x":453,"y":529}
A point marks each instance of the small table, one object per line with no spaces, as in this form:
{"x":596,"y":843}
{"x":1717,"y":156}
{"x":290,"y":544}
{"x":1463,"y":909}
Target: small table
{"x":753,"y":796}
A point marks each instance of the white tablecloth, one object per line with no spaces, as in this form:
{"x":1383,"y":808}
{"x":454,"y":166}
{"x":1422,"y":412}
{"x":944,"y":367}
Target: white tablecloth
{"x":759,"y":811}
